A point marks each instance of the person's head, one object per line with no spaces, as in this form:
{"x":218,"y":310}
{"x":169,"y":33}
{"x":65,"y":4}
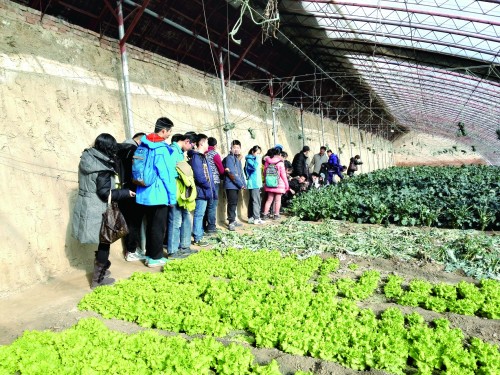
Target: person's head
{"x":289,"y":170}
{"x":272,"y":152}
{"x":106,"y":144}
{"x":344,"y":168}
{"x":184,"y":141}
{"x":283,"y":154}
{"x":163,"y":127}
{"x":315,"y":176}
{"x":279,"y":147}
{"x":212,"y":142}
{"x":357,"y":157}
{"x":137,"y":137}
{"x":329,"y":152}
{"x":202,"y":143}
{"x":302,"y":178}
{"x":255,"y":150}
{"x":322,"y":150}
{"x":236,"y":147}
{"x":305,"y":150}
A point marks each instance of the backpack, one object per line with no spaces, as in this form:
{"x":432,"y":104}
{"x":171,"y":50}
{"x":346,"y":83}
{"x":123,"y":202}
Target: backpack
{"x":143,"y":173}
{"x":272,"y":177}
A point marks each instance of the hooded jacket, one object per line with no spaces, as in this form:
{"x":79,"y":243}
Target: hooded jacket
{"x":234,"y":179}
{"x":253,"y":171}
{"x":283,"y":180}
{"x":96,"y":177}
{"x":163,"y":190}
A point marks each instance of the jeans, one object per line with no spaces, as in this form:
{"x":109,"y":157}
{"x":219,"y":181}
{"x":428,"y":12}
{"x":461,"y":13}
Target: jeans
{"x":178,"y":229}
{"x":254,"y":203}
{"x":211,"y":213}
{"x":156,"y":217}
{"x":199,"y":212}
{"x":232,"y":203}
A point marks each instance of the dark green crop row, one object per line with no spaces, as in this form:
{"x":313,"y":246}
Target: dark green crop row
{"x":449,"y":197}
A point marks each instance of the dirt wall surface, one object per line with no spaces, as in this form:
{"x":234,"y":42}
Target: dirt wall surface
{"x":60,"y":87}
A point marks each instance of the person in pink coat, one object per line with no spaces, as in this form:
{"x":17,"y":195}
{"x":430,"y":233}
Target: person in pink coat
{"x":274,"y":193}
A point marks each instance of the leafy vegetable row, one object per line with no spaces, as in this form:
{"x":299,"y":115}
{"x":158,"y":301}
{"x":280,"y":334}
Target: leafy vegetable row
{"x":91,"y":348}
{"x":448,"y":197}
{"x":477,"y":254}
{"x":463,"y":298}
{"x":274,"y":301}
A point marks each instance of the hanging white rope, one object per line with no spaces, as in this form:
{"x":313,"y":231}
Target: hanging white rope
{"x":273,"y":11}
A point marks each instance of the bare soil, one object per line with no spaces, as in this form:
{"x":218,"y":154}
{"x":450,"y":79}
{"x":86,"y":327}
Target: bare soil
{"x":53,"y":306}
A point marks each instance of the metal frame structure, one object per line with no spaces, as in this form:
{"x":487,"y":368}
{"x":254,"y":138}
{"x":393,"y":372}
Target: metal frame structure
{"x":420,"y":65}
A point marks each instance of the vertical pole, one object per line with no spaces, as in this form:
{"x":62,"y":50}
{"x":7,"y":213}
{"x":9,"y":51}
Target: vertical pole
{"x":322,"y":126}
{"x":359,"y":142}
{"x":224,"y":101}
{"x":125,"y":74}
{"x":271,"y":93}
{"x":338,"y":133}
{"x":350,"y":139}
{"x":302,"y":121}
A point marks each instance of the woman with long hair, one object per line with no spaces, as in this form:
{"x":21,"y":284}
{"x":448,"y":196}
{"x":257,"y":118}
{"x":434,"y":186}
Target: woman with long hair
{"x":274,"y":162}
{"x":97,"y":173}
{"x":253,"y":166}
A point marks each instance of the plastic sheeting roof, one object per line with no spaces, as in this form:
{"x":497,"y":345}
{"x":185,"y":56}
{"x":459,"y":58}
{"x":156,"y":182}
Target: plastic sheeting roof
{"x":432,"y":63}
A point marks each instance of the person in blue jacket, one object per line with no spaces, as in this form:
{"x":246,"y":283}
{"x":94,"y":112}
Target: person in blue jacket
{"x":234,"y":181}
{"x":157,"y":197}
{"x":205,"y":187}
{"x":253,"y":172}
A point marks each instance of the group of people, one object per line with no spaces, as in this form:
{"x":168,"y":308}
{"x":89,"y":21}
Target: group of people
{"x":187,"y":175}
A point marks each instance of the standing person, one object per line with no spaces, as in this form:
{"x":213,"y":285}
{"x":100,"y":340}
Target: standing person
{"x":215,"y":163}
{"x":234,"y":181}
{"x":253,"y":166}
{"x":179,"y":218}
{"x":353,"y":165}
{"x":131,"y":211}
{"x":96,"y":181}
{"x":274,"y":160}
{"x":161,"y":194}
{"x":205,"y":187}
{"x":334,"y":167}
{"x":318,"y":160}
{"x":299,"y":163}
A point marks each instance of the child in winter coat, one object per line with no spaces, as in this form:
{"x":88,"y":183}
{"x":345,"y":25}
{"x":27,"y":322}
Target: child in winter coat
{"x":254,"y":183}
{"x":275,"y":192}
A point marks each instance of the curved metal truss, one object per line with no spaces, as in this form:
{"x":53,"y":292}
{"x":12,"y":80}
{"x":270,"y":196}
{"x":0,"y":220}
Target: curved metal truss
{"x":431,"y":63}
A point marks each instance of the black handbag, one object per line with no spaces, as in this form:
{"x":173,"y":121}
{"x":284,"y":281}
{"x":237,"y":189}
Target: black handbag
{"x":113,"y":226}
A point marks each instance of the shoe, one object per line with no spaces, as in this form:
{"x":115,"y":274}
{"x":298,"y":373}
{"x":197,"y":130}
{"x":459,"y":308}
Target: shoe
{"x":98,"y":277}
{"x":201,"y":243}
{"x":133,"y":257}
{"x":177,"y":255}
{"x":251,"y":221}
{"x":232,"y":227}
{"x":265,"y":217}
{"x":212,"y":232}
{"x":238,"y":224}
{"x":157,"y":262}
{"x":187,"y":251}
{"x":276,"y":217}
{"x":259,"y":221}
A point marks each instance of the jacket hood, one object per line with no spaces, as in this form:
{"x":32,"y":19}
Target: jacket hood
{"x":274,"y":159}
{"x":93,"y":161}
{"x":152,"y":145}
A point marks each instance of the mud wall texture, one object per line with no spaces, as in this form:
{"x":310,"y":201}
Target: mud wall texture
{"x":60,"y":87}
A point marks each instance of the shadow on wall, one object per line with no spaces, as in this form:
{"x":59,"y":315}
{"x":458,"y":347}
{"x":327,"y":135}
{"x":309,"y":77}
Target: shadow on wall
{"x":80,"y":256}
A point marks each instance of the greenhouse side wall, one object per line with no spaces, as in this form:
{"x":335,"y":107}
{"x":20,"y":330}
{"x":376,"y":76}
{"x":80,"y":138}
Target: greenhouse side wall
{"x":61,"y":87}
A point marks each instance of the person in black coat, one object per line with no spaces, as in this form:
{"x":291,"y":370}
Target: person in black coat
{"x":299,"y":163}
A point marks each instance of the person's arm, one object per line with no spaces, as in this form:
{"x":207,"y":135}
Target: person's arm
{"x":283,"y":176}
{"x":165,"y":174}
{"x":103,"y":185}
{"x":218,"y":164}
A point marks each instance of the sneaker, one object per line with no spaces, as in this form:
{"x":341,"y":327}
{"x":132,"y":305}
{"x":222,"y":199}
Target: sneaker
{"x":157,"y":262}
{"x":201,"y":243}
{"x":232,"y":227}
{"x":259,"y":221}
{"x":238,"y":224}
{"x":265,"y":217}
{"x":177,"y":255}
{"x":133,"y":257}
{"x":252,"y":221}
{"x":212,"y":232}
{"x":276,"y":217}
{"x":187,"y":251}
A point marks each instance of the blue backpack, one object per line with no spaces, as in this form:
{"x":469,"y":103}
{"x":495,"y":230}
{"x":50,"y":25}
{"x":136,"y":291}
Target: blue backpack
{"x":143,"y":172}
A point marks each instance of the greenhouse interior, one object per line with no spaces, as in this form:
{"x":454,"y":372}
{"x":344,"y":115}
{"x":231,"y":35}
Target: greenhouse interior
{"x":250,"y":187}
